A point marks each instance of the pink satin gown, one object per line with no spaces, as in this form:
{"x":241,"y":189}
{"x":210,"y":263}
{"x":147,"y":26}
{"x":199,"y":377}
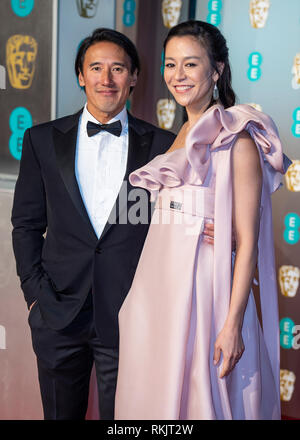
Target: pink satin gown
{"x":180,"y":294}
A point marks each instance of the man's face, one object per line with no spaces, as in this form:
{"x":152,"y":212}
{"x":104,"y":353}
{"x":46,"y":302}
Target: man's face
{"x":259,"y":10}
{"x":21,"y":51}
{"x":87,"y":8}
{"x":107,"y":79}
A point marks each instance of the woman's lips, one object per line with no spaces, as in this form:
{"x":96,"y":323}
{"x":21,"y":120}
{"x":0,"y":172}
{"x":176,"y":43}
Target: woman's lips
{"x":183,"y":88}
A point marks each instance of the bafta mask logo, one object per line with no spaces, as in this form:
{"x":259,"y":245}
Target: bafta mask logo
{"x":296,"y":72}
{"x":87,"y":8}
{"x":292,"y":176}
{"x":287,"y":384}
{"x":289,"y":280}
{"x":165,"y":111}
{"x":171,"y":10}
{"x":259,"y":10}
{"x":21,"y":52}
{"x":256,"y":106}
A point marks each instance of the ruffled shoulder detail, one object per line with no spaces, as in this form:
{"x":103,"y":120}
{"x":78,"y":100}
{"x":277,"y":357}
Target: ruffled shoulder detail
{"x":164,"y":170}
{"x":219,"y":127}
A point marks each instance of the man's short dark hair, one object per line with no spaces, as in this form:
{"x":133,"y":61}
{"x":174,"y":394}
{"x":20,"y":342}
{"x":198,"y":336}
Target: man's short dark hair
{"x":112,"y":36}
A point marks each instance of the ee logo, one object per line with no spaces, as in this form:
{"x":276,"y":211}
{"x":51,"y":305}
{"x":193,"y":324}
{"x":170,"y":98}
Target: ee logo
{"x":286,"y":332}
{"x":22,"y":8}
{"x":254,"y":71}
{"x":214,"y":8}
{"x":296,"y":124}
{"x":292,"y":224}
{"x":20,"y":119}
{"x":129,"y":9}
{"x":289,"y":338}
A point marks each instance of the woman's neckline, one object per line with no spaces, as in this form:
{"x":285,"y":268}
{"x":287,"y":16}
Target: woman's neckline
{"x":203,"y":114}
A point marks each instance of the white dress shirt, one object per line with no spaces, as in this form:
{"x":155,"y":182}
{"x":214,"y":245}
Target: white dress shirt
{"x":100,"y":167}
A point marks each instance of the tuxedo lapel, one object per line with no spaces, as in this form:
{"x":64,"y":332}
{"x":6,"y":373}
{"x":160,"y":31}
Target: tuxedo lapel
{"x":139,"y":145}
{"x":65,"y":140}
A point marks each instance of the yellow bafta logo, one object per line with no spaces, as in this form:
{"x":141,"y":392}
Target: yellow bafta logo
{"x":165,"y":112}
{"x":289,"y":280}
{"x":292,"y":176}
{"x":296,"y":72}
{"x":258,"y":11}
{"x":287,"y":384}
{"x":171,"y":10}
{"x":21,"y":52}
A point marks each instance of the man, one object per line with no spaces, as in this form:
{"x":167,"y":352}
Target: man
{"x":75,"y":266}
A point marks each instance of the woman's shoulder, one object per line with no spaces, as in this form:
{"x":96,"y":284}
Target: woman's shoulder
{"x":244,"y":142}
{"x":245,"y":152}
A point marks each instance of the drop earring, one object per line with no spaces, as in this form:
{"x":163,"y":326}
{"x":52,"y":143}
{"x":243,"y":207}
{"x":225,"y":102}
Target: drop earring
{"x":215,"y":92}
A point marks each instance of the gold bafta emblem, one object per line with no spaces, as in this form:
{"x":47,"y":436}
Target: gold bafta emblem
{"x":289,"y":280}
{"x":171,"y":10}
{"x":287,"y":384}
{"x":292,"y":176}
{"x":21,"y":51}
{"x":259,"y":10}
{"x":165,"y":111}
{"x":256,"y":106}
{"x":87,"y":8}
{"x":296,"y":72}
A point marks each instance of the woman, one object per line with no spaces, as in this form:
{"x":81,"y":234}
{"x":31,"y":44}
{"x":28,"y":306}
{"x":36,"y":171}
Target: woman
{"x":191,"y":345}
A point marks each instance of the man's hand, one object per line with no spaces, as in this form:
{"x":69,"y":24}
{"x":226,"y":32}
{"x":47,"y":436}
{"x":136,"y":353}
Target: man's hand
{"x":209,"y":235}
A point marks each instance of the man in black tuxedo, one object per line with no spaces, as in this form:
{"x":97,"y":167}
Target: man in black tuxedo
{"x":75,"y":265}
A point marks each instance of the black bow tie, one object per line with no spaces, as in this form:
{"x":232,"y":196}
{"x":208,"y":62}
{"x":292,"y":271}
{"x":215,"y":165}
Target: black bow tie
{"x":114,"y":128}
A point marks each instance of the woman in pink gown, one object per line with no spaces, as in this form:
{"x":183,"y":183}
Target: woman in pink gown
{"x":191,"y":343}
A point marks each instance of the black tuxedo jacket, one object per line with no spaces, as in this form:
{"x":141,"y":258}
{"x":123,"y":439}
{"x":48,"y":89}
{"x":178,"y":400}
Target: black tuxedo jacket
{"x":59,"y":257}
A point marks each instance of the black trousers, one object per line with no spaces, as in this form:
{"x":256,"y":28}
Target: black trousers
{"x":65,"y":359}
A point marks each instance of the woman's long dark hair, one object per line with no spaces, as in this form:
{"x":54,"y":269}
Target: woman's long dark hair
{"x":215,"y":44}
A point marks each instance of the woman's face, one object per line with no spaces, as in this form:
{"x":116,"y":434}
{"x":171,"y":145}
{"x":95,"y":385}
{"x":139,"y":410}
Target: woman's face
{"x":188,"y":72}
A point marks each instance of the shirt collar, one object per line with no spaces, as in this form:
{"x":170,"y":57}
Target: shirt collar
{"x":122,"y":116}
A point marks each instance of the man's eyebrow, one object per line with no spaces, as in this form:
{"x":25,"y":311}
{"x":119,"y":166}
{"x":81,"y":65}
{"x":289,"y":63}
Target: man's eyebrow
{"x":115,"y":63}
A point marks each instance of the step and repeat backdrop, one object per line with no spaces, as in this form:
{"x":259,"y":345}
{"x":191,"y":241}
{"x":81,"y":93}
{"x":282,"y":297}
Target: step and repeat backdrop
{"x":39,"y":40}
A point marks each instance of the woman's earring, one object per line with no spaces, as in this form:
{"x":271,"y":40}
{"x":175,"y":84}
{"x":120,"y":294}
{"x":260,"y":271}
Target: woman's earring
{"x":216,"y":92}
